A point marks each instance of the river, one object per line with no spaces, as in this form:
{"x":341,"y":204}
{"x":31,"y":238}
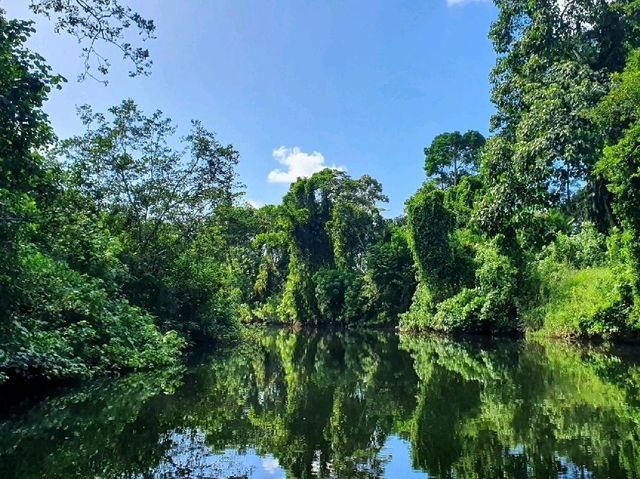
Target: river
{"x":343,"y":404}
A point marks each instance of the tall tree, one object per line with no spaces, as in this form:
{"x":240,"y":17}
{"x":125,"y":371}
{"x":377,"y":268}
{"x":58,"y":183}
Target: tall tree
{"x":127,"y":165}
{"x":553,"y":66}
{"x":529,"y":37}
{"x":431,"y":225}
{"x":619,"y":112}
{"x":452,"y":156}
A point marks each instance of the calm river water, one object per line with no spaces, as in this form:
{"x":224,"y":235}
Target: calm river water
{"x":298,"y":405}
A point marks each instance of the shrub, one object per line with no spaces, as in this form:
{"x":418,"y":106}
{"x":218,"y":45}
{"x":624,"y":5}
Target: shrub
{"x":266,"y":312}
{"x":67,"y":325}
{"x":584,"y":249}
{"x":497,"y":282}
{"x":583,"y":302}
{"x":585,"y":286}
{"x":618,"y":247}
{"x":204,"y":292}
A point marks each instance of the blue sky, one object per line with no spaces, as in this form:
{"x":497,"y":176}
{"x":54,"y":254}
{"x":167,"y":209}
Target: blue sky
{"x":294,"y":86}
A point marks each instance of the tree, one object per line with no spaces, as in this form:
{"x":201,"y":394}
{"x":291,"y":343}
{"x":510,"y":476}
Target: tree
{"x":550,"y":159}
{"x":356,"y":222}
{"x":620,"y":164}
{"x":391,"y":272}
{"x":529,"y":37}
{"x":25,"y":83}
{"x":62,"y":314}
{"x":553,"y":66}
{"x":127,"y":166}
{"x":170,"y":209}
{"x":332,"y":220}
{"x":95,"y":22}
{"x":333,"y":217}
{"x":453,"y":155}
{"x":272,"y":245}
{"x":557,"y":135}
{"x":431,"y":224}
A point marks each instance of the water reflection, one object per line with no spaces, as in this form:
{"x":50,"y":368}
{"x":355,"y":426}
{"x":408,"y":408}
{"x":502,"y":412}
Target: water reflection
{"x":303,"y":405}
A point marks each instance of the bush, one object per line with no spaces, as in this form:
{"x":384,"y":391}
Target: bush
{"x":583,"y":302}
{"x":618,"y":247}
{"x":298,"y":296}
{"x":203,"y":291}
{"x":585,"y":249}
{"x":497,"y":282}
{"x":585,"y":286}
{"x":67,"y":325}
{"x":266,"y":312}
{"x":540,"y":228}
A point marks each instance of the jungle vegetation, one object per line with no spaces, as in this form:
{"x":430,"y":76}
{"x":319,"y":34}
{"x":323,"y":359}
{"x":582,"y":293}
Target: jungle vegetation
{"x":125,"y":245}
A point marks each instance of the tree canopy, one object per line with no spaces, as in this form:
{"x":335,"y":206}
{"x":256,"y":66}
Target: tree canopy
{"x":453,"y":155}
{"x":131,"y":241}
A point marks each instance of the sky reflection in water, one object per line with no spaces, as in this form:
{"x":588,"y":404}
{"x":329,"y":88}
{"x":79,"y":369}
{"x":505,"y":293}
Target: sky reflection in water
{"x":286,"y":404}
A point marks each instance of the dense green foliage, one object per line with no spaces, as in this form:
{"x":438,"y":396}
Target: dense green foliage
{"x":164,"y":206}
{"x":61,"y":313}
{"x":126,"y":243}
{"x":547,"y":239}
{"x":117,"y":248}
{"x":336,"y":240}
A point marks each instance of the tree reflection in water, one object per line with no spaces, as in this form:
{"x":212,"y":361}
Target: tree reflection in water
{"x":305,"y":404}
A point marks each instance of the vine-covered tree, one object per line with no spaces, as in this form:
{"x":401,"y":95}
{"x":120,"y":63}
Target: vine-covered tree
{"x":333,"y":220}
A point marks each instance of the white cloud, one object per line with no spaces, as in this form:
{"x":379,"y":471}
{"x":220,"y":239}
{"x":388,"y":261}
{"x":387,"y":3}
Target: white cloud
{"x":255,"y":204}
{"x":299,"y":164}
{"x":452,"y":3}
{"x":270,"y":465}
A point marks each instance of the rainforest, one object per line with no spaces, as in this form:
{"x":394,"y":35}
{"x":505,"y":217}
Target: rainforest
{"x":129,"y":249}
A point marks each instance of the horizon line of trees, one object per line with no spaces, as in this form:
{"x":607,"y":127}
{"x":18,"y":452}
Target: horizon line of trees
{"x":124,"y":245}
